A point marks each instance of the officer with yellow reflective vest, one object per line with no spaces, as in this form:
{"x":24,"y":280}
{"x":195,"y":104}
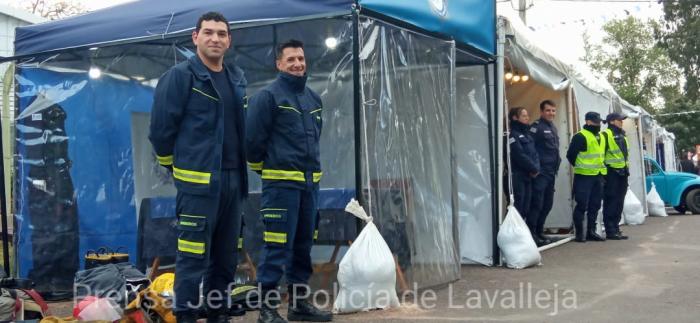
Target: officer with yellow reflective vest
{"x":282,"y":140}
{"x":586,"y":155}
{"x":197,"y":131}
{"x":616,"y":181}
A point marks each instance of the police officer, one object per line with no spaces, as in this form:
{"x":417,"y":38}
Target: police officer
{"x":197,"y":131}
{"x":547,"y":144}
{"x":524,"y":163}
{"x":282,"y":141}
{"x":586,"y":155}
{"x":617,"y":162}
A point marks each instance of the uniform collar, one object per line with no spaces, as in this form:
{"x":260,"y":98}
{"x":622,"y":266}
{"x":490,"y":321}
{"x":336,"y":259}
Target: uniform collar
{"x":517,"y":125}
{"x":293,"y":82}
{"x":200,"y":70}
{"x":615,"y":129}
{"x":546,"y":121}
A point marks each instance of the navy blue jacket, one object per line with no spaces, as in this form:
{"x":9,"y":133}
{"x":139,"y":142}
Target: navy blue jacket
{"x":283,"y":131}
{"x":187,"y":126}
{"x":523,"y":155}
{"x":547,"y":145}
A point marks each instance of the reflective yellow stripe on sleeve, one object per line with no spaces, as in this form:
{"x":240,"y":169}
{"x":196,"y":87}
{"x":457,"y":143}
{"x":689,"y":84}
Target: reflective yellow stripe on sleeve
{"x":165,"y":160}
{"x":191,"y":176}
{"x":285,"y":175}
{"x":317,"y":177}
{"x":255,"y":166}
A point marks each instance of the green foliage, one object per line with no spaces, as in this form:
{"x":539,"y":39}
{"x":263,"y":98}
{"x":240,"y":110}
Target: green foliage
{"x":631,"y":60}
{"x":680,"y":36}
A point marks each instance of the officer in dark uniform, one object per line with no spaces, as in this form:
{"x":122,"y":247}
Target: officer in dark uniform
{"x":547,"y":144}
{"x":197,"y":131}
{"x":616,"y":181}
{"x":586,"y":155}
{"x":524,"y":163}
{"x":282,"y":140}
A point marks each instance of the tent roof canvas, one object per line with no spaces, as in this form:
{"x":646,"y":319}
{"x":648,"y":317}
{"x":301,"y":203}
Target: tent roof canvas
{"x":469,"y":22}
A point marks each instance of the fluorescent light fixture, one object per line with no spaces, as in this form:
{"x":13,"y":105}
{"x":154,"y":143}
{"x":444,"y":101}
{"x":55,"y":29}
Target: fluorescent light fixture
{"x":331,"y":42}
{"x":94,"y":73}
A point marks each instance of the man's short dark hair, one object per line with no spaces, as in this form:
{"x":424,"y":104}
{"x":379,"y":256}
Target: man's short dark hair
{"x":211,"y":16}
{"x":545,"y":103}
{"x":292,"y":43}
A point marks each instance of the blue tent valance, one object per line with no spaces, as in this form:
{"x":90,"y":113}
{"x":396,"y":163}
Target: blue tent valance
{"x":469,"y":22}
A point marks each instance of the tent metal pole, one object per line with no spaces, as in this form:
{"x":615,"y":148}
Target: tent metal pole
{"x":3,"y":216}
{"x":356,"y":104}
{"x":497,"y":119}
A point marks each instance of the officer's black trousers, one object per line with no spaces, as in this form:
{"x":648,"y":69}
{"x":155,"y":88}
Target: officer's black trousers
{"x":614,"y":201}
{"x":209,"y":227}
{"x":522,"y":191}
{"x":587,"y":194}
{"x":541,"y":202}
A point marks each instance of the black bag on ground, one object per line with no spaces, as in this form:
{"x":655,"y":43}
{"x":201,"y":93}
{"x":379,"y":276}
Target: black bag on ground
{"x":119,"y":282}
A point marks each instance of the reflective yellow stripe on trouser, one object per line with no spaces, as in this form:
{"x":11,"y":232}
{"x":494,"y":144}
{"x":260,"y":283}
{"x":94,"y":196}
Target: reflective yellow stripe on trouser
{"x":289,"y":175}
{"x":197,"y":248}
{"x":276,"y":237}
{"x":191,"y":176}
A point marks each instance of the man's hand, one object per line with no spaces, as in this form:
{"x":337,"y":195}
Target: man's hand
{"x":533,"y":175}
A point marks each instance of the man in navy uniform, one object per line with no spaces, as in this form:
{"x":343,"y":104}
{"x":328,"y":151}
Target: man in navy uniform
{"x":197,"y":131}
{"x":616,"y":181}
{"x":546,"y":139}
{"x":282,"y":140}
{"x":586,"y":154}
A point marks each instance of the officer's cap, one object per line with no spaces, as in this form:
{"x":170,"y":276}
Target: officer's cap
{"x":593,"y":116}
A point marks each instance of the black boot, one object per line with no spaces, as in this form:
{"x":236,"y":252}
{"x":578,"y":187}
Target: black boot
{"x":544,"y":239}
{"x":268,"y":314}
{"x":580,"y":235}
{"x":186,"y":317}
{"x":303,"y":310}
{"x":218,"y":315}
{"x":593,"y":236}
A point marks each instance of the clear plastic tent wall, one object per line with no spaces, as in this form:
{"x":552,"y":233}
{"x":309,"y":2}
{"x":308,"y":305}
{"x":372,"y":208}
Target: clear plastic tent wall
{"x":87,"y":178}
{"x":407,"y":98}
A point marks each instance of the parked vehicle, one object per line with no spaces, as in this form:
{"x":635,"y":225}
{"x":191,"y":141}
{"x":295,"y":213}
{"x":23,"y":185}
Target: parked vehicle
{"x":679,"y":190}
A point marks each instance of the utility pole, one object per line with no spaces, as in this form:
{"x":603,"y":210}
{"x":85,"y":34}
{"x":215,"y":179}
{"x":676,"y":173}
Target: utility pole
{"x":522,"y":7}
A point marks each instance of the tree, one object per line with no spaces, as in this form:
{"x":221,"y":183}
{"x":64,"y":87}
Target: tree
{"x":630,"y":59}
{"x":54,"y":9}
{"x":679,"y":36}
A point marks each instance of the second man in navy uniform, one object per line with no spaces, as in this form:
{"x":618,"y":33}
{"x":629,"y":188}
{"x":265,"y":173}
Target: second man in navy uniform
{"x":282,"y":141}
{"x":616,"y":181}
{"x":546,"y":139}
{"x":524,"y":163}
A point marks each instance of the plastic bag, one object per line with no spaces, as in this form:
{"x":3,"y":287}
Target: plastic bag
{"x":655,"y":203}
{"x":516,"y":243}
{"x":633,"y":212}
{"x":367,"y":273}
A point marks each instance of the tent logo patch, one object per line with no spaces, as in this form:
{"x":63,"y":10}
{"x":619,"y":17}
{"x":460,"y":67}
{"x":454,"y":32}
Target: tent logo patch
{"x":439,"y":6}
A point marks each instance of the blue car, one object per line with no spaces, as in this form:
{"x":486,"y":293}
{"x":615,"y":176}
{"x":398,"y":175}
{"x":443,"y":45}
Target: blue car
{"x":679,"y":190}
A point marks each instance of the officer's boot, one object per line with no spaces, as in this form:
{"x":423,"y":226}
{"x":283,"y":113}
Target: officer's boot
{"x":592,"y":235}
{"x":300,"y":309}
{"x":268,"y":314}
{"x":186,"y":317}
{"x":580,"y":234}
{"x":218,"y":315}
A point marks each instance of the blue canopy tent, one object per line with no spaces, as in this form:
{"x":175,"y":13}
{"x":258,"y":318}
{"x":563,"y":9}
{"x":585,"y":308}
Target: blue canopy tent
{"x":386,"y":71}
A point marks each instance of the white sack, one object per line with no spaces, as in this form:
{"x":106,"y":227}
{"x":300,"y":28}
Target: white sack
{"x":633,"y":212}
{"x":655,"y":203}
{"x":367,"y":273}
{"x":516,"y":243}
